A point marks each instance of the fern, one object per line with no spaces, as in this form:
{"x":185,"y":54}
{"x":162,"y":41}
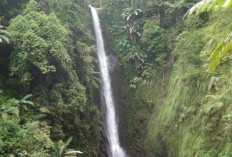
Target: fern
{"x":213,"y":82}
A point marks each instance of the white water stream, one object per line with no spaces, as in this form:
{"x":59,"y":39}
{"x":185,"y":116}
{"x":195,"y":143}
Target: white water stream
{"x":111,"y":126}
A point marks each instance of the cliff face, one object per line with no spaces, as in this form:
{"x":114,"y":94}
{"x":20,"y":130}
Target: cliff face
{"x":193,"y":116}
{"x":185,"y":109}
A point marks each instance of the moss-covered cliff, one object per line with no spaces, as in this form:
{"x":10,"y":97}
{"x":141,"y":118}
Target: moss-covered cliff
{"x":177,"y":105}
{"x":195,"y":117}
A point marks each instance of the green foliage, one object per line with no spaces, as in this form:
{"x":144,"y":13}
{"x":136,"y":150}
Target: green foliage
{"x":76,"y":18}
{"x":52,"y":58}
{"x":136,"y":56}
{"x":196,"y":102}
{"x":154,"y":41}
{"x":72,"y":114}
{"x":220,"y":53}
{"x":177,"y":5}
{"x":10,"y":9}
{"x":74,"y":15}
{"x":130,"y":14}
{"x":191,"y":47}
{"x":89,"y":75}
{"x":38,"y":40}
{"x":195,"y":22}
{"x":210,"y":5}
{"x":60,"y":149}
{"x":223,"y":47}
{"x":18,"y":138}
{"x":25,"y":101}
{"x":122,"y":46}
{"x":132,"y":27}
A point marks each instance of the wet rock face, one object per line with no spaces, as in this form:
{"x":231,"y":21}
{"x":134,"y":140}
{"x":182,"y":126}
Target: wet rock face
{"x":113,"y":63}
{"x":103,"y":145}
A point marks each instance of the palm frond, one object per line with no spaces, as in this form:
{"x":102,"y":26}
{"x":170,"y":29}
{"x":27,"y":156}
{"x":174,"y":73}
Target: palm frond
{"x":4,"y":38}
{"x":25,"y":101}
{"x":27,"y":96}
{"x":209,"y":5}
{"x":74,"y":152}
{"x":221,"y":50}
{"x":4,"y":35}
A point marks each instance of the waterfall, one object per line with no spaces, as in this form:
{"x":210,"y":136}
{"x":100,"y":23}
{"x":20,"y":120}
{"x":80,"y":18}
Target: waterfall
{"x":110,"y":122}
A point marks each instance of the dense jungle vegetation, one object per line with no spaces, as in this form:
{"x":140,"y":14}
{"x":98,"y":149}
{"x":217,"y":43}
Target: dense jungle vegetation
{"x":48,"y":78}
{"x":175,"y":58}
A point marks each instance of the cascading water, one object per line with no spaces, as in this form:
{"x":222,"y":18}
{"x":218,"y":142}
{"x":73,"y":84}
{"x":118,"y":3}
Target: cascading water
{"x":111,"y":127}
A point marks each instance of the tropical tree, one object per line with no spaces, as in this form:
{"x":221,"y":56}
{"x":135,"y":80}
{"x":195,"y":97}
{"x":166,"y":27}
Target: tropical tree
{"x":130,"y":14}
{"x":39,"y":43}
{"x":153,"y":41}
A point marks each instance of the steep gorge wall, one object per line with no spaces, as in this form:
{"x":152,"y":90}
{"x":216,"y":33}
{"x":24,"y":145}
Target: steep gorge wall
{"x":194,"y":118}
{"x":185,"y":110}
